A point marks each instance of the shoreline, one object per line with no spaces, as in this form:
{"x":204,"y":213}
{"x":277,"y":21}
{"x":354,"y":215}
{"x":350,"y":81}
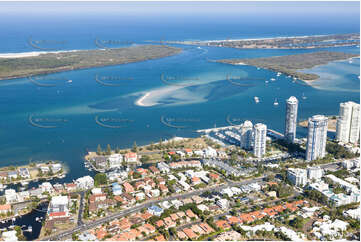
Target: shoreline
{"x":13,"y":55}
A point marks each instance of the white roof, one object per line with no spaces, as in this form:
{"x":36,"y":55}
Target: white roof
{"x":60,"y":200}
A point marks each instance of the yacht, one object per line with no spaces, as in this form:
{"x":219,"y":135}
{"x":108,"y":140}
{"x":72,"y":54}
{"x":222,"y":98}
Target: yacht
{"x":256,"y":99}
{"x":70,"y":81}
{"x":2,"y":186}
{"x":273,"y":79}
{"x":275,"y":102}
{"x":279,"y":73}
{"x":30,"y":229}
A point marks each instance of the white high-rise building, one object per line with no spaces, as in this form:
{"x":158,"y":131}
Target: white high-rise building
{"x":246,"y":135}
{"x":314,"y":172}
{"x":259,"y":139}
{"x":291,"y":118}
{"x":317,"y":137}
{"x":348,"y":126}
{"x":297,"y":176}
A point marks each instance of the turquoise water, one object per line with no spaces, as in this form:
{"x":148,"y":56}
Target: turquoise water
{"x":64,"y":120}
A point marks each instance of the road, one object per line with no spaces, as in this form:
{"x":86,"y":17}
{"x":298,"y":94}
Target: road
{"x":125,"y":212}
{"x":81,"y":207}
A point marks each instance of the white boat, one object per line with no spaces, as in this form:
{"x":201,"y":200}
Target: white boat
{"x":279,"y":73}
{"x":70,"y":81}
{"x":295,"y":78}
{"x":37,"y":219}
{"x":273,"y":79}
{"x":24,"y":183}
{"x":256,"y":99}
{"x":199,"y":47}
{"x":275,"y":102}
{"x":266,"y":81}
{"x":303,"y":96}
{"x":350,"y":61}
{"x":258,"y":68}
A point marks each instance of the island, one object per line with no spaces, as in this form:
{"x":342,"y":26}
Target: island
{"x":297,"y":42}
{"x":332,"y":122}
{"x":290,"y":64}
{"x":51,"y":62}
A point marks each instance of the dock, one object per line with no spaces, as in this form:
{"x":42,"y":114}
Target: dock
{"x":270,"y":132}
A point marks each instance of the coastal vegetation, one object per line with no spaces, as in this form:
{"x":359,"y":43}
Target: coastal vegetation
{"x":290,"y":64}
{"x":71,"y":60}
{"x":298,"y":42}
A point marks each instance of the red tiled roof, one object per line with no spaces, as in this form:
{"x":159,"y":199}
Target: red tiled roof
{"x":57,"y":214}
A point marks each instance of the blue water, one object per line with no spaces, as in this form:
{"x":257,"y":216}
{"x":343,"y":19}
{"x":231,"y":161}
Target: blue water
{"x":203,"y":98}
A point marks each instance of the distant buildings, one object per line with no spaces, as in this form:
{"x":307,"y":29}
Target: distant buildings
{"x":348,"y":126}
{"x":259,"y":143}
{"x":246,"y":135}
{"x":291,"y":118}
{"x":317,"y":137}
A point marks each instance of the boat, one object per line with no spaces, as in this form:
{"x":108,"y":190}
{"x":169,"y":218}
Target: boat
{"x":70,"y":81}
{"x":199,"y":47}
{"x":279,"y":73}
{"x":350,"y":61}
{"x":2,"y":186}
{"x":266,"y":81}
{"x":273,"y":79}
{"x":258,"y":68}
{"x":24,"y":183}
{"x":256,"y":99}
{"x":303,"y":96}
{"x":275,"y":102}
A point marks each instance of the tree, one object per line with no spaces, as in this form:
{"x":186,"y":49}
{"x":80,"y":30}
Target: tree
{"x":100,"y":179}
{"x":135,"y":147}
{"x":109,"y":150}
{"x":99,"y":150}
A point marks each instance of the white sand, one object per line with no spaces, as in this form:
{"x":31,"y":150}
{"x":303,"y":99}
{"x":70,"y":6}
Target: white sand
{"x":31,"y":54}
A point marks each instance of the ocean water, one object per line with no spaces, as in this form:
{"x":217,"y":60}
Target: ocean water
{"x":63,"y":121}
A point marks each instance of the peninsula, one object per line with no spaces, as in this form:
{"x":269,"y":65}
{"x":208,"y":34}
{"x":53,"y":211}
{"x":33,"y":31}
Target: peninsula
{"x":290,"y":64}
{"x":297,"y":42}
{"x":52,"y":62}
